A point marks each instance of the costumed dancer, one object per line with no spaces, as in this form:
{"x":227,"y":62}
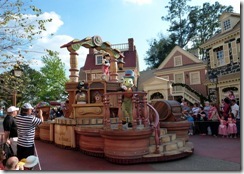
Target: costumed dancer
{"x":127,"y":87}
{"x":106,"y":66}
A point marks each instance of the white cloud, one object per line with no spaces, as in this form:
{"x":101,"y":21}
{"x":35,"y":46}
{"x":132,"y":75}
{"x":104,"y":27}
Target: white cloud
{"x":52,"y":27}
{"x":54,"y":44}
{"x":139,"y":2}
{"x":36,"y":51}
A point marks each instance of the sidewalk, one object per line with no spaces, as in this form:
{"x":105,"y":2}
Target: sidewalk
{"x":210,"y":154}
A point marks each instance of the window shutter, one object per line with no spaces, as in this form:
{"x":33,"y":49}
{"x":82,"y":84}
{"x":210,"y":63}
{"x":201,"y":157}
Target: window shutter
{"x":234,"y":51}
{"x":226,"y":54}
{"x":212,"y":59}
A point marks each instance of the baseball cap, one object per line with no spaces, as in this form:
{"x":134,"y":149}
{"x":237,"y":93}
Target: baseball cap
{"x":12,"y":109}
{"x":27,"y":106}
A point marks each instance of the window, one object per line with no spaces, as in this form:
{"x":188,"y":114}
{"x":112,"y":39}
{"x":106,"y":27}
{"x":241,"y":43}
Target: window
{"x":178,"y":60}
{"x":238,"y":49}
{"x":178,"y":78}
{"x":219,"y":53}
{"x":99,"y":59}
{"x":226,"y":24}
{"x":194,"y":78}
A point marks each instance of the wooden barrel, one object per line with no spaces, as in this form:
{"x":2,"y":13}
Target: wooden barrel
{"x":125,"y":145}
{"x":168,"y":110}
{"x":90,"y":140}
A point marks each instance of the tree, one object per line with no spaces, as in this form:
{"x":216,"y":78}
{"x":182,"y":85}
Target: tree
{"x":34,"y":86}
{"x":19,"y":26}
{"x":181,"y":28}
{"x":159,"y":49}
{"x":207,"y":21}
{"x":190,"y":27}
{"x":52,"y":81}
{"x":193,"y":23}
{"x":26,"y":86}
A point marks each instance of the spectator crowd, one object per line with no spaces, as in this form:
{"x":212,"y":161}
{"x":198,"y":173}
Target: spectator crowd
{"x":211,"y":119}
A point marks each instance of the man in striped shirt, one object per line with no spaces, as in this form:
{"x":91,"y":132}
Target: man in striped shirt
{"x":26,"y":124}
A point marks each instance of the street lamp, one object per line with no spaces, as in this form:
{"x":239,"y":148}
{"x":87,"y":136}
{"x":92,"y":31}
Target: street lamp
{"x":17,"y":72}
{"x":214,"y":79}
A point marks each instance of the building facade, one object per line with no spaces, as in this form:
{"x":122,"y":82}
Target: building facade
{"x":222,"y":57}
{"x":92,"y":69}
{"x":180,"y":75}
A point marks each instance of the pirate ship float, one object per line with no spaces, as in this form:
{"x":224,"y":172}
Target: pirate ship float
{"x":99,"y":126}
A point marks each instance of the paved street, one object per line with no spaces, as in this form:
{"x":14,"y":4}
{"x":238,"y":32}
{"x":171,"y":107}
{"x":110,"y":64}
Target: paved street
{"x":211,"y":154}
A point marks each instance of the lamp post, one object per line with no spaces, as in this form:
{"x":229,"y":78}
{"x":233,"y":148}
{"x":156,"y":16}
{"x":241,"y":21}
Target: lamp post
{"x":17,"y":72}
{"x":214,"y":79}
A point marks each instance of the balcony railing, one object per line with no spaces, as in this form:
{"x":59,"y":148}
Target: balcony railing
{"x":121,"y":47}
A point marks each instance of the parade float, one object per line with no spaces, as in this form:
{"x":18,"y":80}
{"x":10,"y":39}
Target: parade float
{"x":110,"y":119}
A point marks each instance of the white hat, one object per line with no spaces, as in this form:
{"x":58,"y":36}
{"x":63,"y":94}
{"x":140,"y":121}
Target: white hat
{"x":12,"y":109}
{"x":31,"y":161}
{"x":27,"y":106}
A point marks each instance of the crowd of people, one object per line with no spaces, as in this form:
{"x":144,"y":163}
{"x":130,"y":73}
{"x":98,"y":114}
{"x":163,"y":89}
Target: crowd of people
{"x":18,"y":148}
{"x":210,"y":119}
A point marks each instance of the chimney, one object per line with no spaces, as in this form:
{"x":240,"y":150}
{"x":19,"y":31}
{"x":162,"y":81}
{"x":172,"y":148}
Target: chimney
{"x":91,"y":51}
{"x":131,"y":44}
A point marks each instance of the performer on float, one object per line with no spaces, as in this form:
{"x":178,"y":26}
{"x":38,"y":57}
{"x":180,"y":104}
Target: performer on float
{"x":80,"y":96}
{"x":106,"y":66}
{"x":128,"y":87}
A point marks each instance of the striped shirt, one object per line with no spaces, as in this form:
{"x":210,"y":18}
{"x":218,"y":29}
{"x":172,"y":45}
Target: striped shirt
{"x":26,"y":125}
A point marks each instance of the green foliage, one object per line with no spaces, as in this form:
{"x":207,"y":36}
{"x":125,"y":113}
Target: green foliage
{"x":188,"y":24}
{"x":194,"y":23}
{"x":181,"y":28}
{"x":52,"y":81}
{"x":206,"y":19}
{"x":34,"y":86}
{"x":159,"y":49}
{"x":19,"y":26}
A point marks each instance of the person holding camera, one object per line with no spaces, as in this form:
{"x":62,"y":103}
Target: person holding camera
{"x":26,"y":124}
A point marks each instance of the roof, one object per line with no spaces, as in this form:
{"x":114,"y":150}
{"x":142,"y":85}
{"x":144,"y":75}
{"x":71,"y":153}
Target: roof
{"x":144,"y":76}
{"x":221,"y":35}
{"x":182,"y":51}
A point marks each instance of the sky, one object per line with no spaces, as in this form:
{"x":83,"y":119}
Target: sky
{"x":115,"y":21}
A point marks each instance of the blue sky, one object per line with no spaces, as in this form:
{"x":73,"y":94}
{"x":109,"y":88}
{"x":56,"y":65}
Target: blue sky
{"x":113,"y":20}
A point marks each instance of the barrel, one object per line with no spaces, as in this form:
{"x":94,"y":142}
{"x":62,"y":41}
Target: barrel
{"x":168,"y":110}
